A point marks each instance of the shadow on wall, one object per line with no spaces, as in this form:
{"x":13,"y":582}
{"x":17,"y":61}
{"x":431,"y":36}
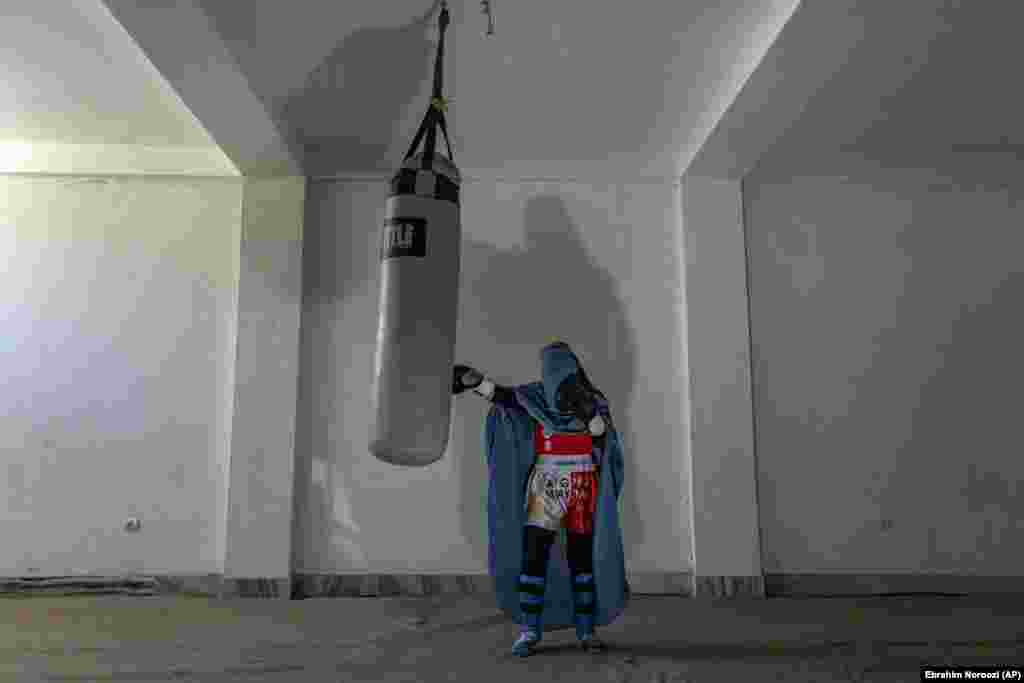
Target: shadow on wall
{"x":364,"y":86}
{"x":518,"y":301}
{"x":511,"y":303}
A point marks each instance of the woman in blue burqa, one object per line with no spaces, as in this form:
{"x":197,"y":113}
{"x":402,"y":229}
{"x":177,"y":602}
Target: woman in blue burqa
{"x":555,"y":475}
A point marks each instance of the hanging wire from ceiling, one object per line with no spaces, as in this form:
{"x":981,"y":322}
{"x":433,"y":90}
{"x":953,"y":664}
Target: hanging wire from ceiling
{"x":485,"y":7}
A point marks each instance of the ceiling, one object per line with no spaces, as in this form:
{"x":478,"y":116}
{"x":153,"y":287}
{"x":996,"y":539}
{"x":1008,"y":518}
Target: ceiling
{"x":562,"y":89}
{"x":920,"y":83}
{"x":73,"y":75}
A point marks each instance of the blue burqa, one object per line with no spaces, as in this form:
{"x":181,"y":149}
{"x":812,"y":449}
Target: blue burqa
{"x":509,"y":443}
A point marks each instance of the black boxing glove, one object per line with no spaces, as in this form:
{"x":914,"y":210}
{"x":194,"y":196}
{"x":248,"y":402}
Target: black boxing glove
{"x":465,"y":377}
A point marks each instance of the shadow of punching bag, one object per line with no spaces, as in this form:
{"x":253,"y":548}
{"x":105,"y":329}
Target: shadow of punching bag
{"x":419,"y":290}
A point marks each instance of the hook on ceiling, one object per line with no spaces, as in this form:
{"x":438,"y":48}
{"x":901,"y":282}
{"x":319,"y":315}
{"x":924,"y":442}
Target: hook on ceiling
{"x":485,"y":7}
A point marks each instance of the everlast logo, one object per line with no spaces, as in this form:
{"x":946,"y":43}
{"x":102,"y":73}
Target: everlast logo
{"x":404,"y":237}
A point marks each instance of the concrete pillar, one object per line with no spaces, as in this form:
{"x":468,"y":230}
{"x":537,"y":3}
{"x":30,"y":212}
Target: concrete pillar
{"x":726,"y":539}
{"x":257,"y":555}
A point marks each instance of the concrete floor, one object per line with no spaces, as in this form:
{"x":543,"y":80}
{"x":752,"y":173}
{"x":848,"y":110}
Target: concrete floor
{"x":659,"y":640}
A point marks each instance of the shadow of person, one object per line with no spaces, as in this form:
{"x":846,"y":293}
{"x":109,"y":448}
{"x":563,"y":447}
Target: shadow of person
{"x":347,"y":113}
{"x":517,"y":301}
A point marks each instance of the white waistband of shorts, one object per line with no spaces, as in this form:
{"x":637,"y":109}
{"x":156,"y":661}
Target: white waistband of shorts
{"x":579,"y":463}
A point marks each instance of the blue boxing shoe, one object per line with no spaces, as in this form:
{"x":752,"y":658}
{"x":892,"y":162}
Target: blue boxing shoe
{"x":524,"y":645}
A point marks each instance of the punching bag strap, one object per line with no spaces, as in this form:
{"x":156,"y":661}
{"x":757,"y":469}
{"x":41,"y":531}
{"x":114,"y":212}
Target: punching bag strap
{"x":429,"y":121}
{"x":447,"y":142}
{"x":435,"y":112}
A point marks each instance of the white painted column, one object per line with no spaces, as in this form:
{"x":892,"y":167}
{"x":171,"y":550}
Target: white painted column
{"x":726,"y":538}
{"x":260,"y":487}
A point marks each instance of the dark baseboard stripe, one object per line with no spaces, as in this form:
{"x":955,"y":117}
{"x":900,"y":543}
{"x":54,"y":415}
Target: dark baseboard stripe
{"x":853,"y":585}
{"x":80,"y":585}
{"x":389,"y":585}
{"x":306,"y":585}
{"x":325,"y":585}
{"x":386,"y":585}
{"x":728,"y":587}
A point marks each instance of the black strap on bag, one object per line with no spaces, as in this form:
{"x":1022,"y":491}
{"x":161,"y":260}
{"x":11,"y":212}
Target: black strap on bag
{"x":434,"y":118}
{"x":404,"y":181}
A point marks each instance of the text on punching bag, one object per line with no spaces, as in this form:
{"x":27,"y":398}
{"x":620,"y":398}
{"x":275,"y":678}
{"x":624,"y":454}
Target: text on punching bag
{"x":404,"y":237}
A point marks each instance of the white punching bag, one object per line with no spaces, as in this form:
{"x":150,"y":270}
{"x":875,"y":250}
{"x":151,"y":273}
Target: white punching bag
{"x":419,"y":288}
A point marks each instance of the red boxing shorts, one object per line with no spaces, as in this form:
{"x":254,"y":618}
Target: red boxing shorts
{"x":562,"y":491}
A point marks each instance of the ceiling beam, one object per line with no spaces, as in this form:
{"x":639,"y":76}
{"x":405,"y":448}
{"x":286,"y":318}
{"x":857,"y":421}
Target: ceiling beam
{"x":812,"y":47}
{"x":179,"y":40}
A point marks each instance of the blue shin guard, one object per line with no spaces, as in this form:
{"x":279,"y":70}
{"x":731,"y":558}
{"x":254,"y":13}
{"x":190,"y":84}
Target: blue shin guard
{"x":531,"y":604}
{"x":583,"y":605}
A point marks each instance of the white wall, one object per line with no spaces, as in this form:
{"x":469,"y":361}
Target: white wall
{"x":599,"y":266}
{"x":116,"y":358}
{"x":261,"y":481}
{"x":886,"y":357}
{"x":723,"y":471}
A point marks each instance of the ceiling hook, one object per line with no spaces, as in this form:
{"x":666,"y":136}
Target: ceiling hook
{"x":485,"y":7}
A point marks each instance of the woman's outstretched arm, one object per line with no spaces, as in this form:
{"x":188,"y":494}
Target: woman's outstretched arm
{"x":469,"y":378}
